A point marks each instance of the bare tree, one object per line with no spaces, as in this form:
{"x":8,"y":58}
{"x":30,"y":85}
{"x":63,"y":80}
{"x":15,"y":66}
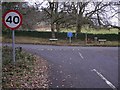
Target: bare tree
{"x":70,"y":14}
{"x":54,"y":14}
{"x":92,"y":13}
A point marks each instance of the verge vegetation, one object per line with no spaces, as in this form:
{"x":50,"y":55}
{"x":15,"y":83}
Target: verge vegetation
{"x":42,"y":38}
{"x":29,"y":71}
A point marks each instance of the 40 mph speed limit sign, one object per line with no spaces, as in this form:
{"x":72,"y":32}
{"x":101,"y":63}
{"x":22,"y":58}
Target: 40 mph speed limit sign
{"x":12,"y":19}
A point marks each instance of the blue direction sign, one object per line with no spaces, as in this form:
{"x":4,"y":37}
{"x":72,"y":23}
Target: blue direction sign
{"x":69,"y":34}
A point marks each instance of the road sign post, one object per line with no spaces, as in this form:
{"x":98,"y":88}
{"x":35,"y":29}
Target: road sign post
{"x":70,"y":40}
{"x":70,"y":35}
{"x":12,"y":19}
{"x":13,"y":44}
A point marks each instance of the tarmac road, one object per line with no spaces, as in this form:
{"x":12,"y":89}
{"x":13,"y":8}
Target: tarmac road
{"x":79,"y":67}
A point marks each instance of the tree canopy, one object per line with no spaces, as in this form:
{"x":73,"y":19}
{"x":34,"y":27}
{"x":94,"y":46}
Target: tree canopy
{"x":67,"y":14}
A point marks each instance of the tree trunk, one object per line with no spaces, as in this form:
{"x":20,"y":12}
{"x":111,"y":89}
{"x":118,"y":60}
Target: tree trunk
{"x":78,"y":30}
{"x":52,"y":19}
{"x":57,"y":27}
{"x":78,"y":20}
{"x":52,"y":29}
{"x":78,"y":27}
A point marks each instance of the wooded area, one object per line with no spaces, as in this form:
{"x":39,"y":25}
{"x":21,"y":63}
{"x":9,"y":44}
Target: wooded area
{"x":59,"y":15}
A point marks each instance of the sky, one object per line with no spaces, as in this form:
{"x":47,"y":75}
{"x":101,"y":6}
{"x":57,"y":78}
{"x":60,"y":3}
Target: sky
{"x":74,"y":0}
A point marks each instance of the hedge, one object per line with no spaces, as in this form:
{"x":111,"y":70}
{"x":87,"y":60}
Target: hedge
{"x":61,"y":35}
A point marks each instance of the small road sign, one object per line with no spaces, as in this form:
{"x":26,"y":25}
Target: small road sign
{"x":12,"y":19}
{"x":70,"y":35}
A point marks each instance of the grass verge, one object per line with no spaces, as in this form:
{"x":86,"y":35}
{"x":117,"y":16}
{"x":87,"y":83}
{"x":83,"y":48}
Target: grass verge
{"x":29,"y":71}
{"x":42,"y":41}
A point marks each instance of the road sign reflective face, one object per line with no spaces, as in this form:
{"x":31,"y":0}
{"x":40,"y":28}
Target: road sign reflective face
{"x":12,"y":19}
{"x":70,"y":34}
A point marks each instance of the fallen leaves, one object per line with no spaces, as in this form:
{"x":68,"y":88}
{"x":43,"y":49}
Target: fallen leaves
{"x":29,"y":71}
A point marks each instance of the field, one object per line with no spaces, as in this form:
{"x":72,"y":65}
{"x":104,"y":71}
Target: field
{"x":85,"y":30}
{"x":93,"y":31}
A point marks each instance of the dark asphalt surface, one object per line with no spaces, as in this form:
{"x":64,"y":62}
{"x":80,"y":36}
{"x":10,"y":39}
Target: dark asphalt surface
{"x":79,"y":67}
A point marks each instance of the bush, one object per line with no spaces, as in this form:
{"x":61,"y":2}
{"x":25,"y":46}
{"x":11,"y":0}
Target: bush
{"x":61,"y":35}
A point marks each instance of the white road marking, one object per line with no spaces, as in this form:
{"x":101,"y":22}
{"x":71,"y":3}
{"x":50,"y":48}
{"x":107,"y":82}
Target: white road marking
{"x":81,"y":55}
{"x":108,"y":82}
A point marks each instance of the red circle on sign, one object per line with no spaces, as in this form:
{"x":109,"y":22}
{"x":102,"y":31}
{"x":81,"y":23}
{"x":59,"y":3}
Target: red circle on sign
{"x":15,"y":11}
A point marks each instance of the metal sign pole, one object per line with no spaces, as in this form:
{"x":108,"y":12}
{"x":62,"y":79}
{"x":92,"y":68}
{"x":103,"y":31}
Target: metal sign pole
{"x":13,"y":45}
{"x":70,"y":39}
{"x":12,"y":19}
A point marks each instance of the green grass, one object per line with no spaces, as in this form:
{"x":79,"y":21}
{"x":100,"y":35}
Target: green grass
{"x":93,"y":31}
{"x":102,"y":31}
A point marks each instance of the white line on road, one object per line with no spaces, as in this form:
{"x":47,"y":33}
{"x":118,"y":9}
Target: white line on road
{"x":108,"y":82}
{"x":81,"y":55}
